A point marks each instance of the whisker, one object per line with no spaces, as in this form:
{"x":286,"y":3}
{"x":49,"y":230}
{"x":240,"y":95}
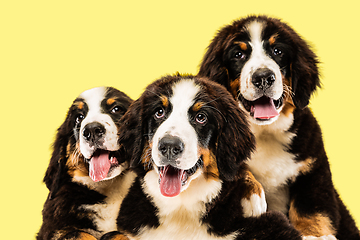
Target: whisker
{"x":77,"y":155}
{"x":144,"y":157}
{"x":212,"y":101}
{"x":153,"y":93}
{"x":206,"y":106}
{"x":239,"y":93}
{"x":288,"y":91}
{"x":282,"y":68}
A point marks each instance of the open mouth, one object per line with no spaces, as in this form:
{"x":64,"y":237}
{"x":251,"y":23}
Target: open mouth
{"x":172,"y":179}
{"x":263,"y":108}
{"x":101,"y":164}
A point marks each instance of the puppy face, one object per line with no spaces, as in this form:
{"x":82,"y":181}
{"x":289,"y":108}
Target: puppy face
{"x":93,"y":121}
{"x":87,"y":141}
{"x":264,"y":64}
{"x":96,"y":113}
{"x":180,"y":131}
{"x":186,"y":126}
{"x":259,"y":63}
{"x":96,"y":117}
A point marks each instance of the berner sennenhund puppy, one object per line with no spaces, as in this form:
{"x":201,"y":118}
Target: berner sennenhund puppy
{"x":190,"y":140}
{"x":271,"y":71}
{"x":86,"y":177}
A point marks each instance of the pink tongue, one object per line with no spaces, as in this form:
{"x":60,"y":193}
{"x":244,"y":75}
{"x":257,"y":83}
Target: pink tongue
{"x":170,"y":181}
{"x":264,"y":108}
{"x":99,"y":166}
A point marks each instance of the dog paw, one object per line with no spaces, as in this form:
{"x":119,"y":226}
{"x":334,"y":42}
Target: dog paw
{"x":328,"y":237}
{"x":255,"y":205}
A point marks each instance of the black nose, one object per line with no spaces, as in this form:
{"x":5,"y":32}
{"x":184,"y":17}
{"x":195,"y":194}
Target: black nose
{"x":263,"y":78}
{"x":93,"y":132}
{"x":171,"y":147}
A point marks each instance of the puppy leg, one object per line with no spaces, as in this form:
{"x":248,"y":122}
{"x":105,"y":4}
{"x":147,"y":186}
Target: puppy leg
{"x":253,"y":202}
{"x":312,"y":224}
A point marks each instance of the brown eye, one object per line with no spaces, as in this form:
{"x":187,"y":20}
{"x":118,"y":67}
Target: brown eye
{"x":239,"y":55}
{"x":115,"y":109}
{"x":79,"y":118}
{"x":160,"y":113}
{"x":201,"y":118}
{"x":277,"y":52}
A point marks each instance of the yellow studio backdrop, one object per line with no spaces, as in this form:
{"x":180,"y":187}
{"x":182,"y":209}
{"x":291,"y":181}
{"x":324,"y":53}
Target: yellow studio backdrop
{"x":51,"y":51}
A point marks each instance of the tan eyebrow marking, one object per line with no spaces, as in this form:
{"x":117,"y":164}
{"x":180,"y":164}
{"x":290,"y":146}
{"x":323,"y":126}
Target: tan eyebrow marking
{"x":197,"y":106}
{"x":164,"y":100}
{"x":80,"y":105}
{"x":272,"y":39}
{"x":242,"y":45}
{"x":110,"y":101}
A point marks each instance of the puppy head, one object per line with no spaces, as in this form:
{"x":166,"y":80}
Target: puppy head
{"x":265,"y":64}
{"x":87,"y":141}
{"x":185,"y":127}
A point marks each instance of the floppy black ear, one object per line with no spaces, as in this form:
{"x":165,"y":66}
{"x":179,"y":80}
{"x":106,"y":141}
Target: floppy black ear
{"x":55,"y":174}
{"x":235,"y":141}
{"x":212,"y":65}
{"x":131,"y":134}
{"x":304,"y":74}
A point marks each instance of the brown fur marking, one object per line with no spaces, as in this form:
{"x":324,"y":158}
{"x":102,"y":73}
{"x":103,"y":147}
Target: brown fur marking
{"x":242,"y":45}
{"x":165,"y":101}
{"x":235,"y":87}
{"x":197,"y":106}
{"x":315,"y":225}
{"x":118,"y":237}
{"x":211,"y":170}
{"x":307,"y":165}
{"x":146,"y":156}
{"x":85,"y":236}
{"x":75,"y":162}
{"x":80,"y":105}
{"x":289,"y":106}
{"x":110,"y":101}
{"x":272,"y":39}
{"x":254,"y":187}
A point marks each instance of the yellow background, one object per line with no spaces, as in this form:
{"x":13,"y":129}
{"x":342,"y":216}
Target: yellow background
{"x":50,"y":51}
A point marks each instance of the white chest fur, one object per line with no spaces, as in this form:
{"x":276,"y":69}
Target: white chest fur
{"x":180,"y":216}
{"x":271,"y":163}
{"x":115,"y":190}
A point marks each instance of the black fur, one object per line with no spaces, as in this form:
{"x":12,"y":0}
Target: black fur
{"x":63,"y":217}
{"x":233,"y":143}
{"x":312,"y":191}
{"x":303,"y":70}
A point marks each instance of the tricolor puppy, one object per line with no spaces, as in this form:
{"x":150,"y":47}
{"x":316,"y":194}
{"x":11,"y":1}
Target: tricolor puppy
{"x":271,"y":72}
{"x":86,"y":177}
{"x":192,"y":139}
